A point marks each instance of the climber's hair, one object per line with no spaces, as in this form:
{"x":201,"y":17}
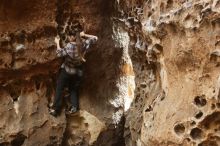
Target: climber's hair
{"x":76,"y":27}
{"x":72,"y":33}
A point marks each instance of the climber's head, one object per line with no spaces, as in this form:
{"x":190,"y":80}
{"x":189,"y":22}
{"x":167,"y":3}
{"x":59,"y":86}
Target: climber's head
{"x":74,"y":30}
{"x":72,"y":36}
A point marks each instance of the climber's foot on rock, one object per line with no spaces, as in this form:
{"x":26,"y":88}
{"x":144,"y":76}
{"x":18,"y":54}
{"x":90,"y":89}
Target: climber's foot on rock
{"x":72,"y":110}
{"x":53,"y":112}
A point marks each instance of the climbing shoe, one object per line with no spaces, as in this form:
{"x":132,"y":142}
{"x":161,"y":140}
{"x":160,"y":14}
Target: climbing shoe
{"x":72,"y":110}
{"x":53,"y":112}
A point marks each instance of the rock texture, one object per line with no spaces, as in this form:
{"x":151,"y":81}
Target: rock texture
{"x":153,"y":78}
{"x":29,"y":67}
{"x":173,"y":48}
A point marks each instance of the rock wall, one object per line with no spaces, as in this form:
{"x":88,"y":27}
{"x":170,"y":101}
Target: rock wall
{"x":29,"y":68}
{"x":174,"y":49}
{"x":152,"y":78}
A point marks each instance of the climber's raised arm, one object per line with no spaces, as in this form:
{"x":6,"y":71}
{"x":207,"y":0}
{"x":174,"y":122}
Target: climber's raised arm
{"x":87,"y":36}
{"x":57,"y":41}
{"x":90,"y":39}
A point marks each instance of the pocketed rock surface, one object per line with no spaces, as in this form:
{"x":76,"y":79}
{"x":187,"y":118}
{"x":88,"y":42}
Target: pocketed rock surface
{"x":152,"y":79}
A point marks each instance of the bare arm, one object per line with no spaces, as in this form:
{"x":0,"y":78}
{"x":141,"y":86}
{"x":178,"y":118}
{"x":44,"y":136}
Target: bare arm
{"x":82,"y":34}
{"x":60,"y":51}
{"x":57,"y":41}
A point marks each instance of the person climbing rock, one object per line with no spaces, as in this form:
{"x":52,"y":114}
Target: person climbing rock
{"x":71,"y":70}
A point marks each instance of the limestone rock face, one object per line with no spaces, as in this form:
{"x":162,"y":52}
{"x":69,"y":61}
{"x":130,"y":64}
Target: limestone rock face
{"x":152,"y":79}
{"x":173,"y":48}
{"x":27,"y":29}
{"x":29,"y":68}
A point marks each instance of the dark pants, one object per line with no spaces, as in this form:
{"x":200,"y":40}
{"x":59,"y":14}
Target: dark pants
{"x":70,"y":81}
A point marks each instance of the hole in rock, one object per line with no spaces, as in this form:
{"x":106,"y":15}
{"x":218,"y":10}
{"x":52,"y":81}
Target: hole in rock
{"x":199,"y":115}
{"x":4,"y":144}
{"x":213,"y":106}
{"x":149,"y":108}
{"x":4,"y":43}
{"x":211,"y":121}
{"x":15,"y":94}
{"x":169,"y":3}
{"x":149,"y":14}
{"x":208,"y":143}
{"x":192,"y":123}
{"x":143,"y":85}
{"x":158,"y":48}
{"x":179,"y":129}
{"x":188,"y":139}
{"x":6,"y":65}
{"x":30,"y":61}
{"x":37,"y":84}
{"x":200,"y":101}
{"x":18,"y":140}
{"x":213,"y":91}
{"x":196,"y":133}
{"x":216,"y":130}
{"x":218,"y":105}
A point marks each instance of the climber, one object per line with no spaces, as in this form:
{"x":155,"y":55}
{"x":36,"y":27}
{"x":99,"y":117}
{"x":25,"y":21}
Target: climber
{"x":71,"y":70}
